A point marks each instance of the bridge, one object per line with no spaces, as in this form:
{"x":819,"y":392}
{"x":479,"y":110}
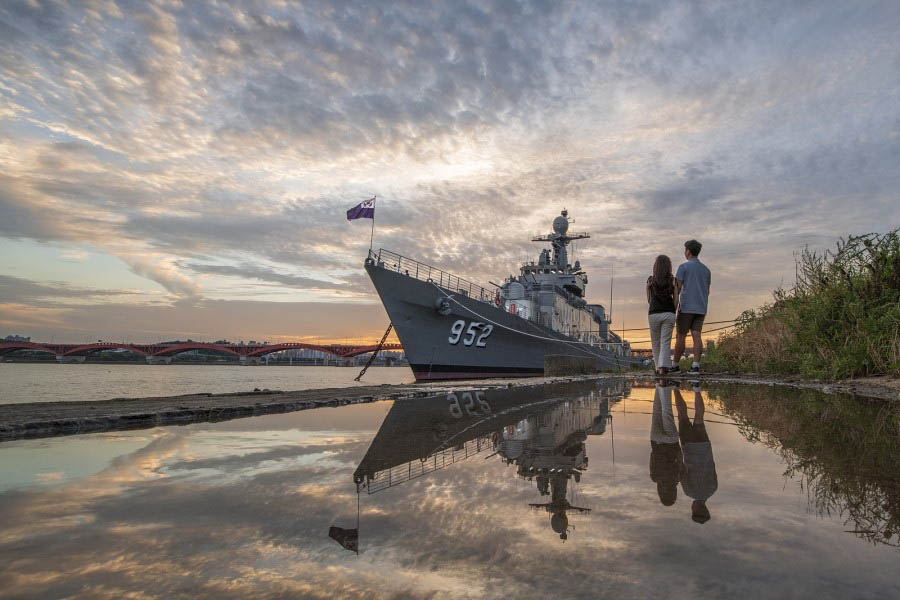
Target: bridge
{"x":163,"y":353}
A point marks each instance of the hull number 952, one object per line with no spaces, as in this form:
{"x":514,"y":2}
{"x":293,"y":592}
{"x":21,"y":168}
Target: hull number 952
{"x":476,"y":333}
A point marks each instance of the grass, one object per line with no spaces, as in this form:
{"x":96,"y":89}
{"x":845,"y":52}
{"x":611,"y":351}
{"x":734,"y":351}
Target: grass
{"x":841,"y":320}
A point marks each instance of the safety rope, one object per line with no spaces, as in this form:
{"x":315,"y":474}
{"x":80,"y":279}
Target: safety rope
{"x":375,"y":353}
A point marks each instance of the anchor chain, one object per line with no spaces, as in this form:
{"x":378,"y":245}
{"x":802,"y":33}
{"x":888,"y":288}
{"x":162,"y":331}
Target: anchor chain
{"x":375,"y":353}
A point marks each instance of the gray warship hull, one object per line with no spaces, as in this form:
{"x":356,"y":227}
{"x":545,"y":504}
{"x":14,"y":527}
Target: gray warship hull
{"x":511,"y":346}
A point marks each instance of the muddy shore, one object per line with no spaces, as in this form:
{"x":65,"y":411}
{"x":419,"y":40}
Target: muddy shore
{"x":46,"y":419}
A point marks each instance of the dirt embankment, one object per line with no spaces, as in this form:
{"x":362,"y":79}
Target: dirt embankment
{"x":880,"y":388}
{"x":45,"y":419}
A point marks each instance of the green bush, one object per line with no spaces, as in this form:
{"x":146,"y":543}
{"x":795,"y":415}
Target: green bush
{"x":842,"y":319}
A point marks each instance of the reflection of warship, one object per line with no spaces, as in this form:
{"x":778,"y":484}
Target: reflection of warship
{"x":535,"y":428}
{"x":452,"y":329}
{"x":549,"y":449}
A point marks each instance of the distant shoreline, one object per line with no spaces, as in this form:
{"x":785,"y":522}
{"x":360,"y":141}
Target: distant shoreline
{"x":188,"y":363}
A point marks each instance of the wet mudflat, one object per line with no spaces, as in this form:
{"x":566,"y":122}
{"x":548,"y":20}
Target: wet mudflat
{"x":599,"y":489}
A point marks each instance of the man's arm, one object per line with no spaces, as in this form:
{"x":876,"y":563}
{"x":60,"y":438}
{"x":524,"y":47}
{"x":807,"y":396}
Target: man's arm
{"x":678,"y":286}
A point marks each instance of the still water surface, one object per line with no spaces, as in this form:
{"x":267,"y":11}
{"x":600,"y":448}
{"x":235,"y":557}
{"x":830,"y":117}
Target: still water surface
{"x":35,"y":382}
{"x":600,"y":490}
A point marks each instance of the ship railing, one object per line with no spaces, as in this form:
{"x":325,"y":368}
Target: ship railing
{"x":423,"y":272}
{"x":402,"y":473}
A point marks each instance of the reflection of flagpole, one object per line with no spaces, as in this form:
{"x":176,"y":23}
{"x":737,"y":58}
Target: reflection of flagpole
{"x":612,"y":435}
{"x":357,"y":516}
{"x":372,"y":237}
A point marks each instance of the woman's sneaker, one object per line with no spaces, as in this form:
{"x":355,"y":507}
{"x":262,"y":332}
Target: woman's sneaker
{"x":675,"y":369}
{"x":695,"y":370}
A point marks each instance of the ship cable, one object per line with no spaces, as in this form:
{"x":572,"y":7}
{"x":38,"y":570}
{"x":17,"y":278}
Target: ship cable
{"x":375,"y":353}
{"x":540,"y":337}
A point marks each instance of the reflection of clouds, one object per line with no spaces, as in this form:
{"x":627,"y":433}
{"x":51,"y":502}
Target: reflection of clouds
{"x":464,"y":531}
{"x":49,"y":477}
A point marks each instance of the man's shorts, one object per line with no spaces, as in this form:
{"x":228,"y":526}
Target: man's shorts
{"x":691,"y":433}
{"x":689,"y":322}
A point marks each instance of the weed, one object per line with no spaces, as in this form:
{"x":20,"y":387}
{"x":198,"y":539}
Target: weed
{"x":842,"y":319}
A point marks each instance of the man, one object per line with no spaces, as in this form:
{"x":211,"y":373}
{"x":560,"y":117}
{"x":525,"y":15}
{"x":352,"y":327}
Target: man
{"x":692,"y":289}
{"x":699,"y":480}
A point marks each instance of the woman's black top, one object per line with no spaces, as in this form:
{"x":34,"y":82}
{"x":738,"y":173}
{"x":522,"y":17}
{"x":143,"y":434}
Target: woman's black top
{"x":661,"y":297}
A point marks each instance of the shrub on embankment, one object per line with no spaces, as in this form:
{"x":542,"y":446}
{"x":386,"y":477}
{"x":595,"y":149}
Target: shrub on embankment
{"x":842,"y":319}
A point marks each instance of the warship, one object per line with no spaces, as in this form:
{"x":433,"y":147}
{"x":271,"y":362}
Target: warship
{"x":451,"y":328}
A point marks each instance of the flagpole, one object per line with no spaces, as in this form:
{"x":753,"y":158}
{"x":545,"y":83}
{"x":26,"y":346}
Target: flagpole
{"x":372,"y":237}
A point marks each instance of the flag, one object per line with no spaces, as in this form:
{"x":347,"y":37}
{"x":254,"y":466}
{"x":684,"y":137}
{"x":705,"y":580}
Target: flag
{"x":348,"y":538}
{"x":363,"y":210}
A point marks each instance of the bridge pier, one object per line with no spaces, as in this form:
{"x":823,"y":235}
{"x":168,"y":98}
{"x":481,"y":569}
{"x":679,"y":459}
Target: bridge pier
{"x":159,"y":360}
{"x":62,"y":358}
{"x":251,"y":360}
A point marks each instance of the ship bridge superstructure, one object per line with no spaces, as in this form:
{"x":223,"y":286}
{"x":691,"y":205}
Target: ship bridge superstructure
{"x":551,"y":291}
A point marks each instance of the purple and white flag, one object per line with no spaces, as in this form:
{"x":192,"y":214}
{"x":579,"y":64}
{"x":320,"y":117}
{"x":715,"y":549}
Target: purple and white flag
{"x":363,"y":210}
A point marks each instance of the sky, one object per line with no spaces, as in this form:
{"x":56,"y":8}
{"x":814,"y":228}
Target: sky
{"x":173,"y":170}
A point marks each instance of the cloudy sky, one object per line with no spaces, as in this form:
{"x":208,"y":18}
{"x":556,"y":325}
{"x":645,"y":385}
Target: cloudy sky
{"x":175,"y":169}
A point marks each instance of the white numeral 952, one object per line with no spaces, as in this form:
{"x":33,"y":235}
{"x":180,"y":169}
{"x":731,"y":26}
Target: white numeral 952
{"x":456,"y":331}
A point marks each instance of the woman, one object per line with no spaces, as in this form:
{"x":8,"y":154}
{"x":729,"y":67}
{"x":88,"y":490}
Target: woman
{"x":666,"y":459}
{"x":663,"y":306}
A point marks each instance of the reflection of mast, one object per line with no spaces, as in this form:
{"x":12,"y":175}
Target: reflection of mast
{"x":550,"y":449}
{"x":559,"y":504}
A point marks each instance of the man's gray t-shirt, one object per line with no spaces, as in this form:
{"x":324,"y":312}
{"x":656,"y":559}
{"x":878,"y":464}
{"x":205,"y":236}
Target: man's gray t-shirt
{"x":695,"y":277}
{"x":699,"y":480}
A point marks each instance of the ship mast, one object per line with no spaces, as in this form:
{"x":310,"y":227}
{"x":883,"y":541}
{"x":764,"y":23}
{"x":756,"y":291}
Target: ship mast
{"x":559,"y":239}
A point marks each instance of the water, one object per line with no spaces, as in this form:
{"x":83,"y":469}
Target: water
{"x":35,"y":382}
{"x":798,"y":506}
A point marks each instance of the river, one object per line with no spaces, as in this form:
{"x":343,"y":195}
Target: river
{"x":37,"y":382}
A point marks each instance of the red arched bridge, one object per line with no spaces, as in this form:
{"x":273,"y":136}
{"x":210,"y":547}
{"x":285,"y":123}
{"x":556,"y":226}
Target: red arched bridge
{"x":163,"y":353}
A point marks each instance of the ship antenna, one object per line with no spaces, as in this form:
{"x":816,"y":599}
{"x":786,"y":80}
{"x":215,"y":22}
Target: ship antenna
{"x":612,"y":274}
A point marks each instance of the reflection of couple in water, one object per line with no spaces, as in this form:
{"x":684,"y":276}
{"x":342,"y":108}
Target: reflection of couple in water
{"x":683,"y":453}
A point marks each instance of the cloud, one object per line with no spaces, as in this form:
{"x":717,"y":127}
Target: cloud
{"x":262,"y":273}
{"x":235,"y":136}
{"x":51,"y":294}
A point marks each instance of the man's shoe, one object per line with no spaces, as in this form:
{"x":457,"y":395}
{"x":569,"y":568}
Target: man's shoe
{"x":675,"y":369}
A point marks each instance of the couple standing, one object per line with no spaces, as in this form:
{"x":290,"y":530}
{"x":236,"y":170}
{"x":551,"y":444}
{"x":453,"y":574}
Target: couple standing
{"x":677,"y":302}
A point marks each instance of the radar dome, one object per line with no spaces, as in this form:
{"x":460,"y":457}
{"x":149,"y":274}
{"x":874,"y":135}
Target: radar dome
{"x":515,"y":291}
{"x":560,"y":225}
{"x":559,"y":523}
